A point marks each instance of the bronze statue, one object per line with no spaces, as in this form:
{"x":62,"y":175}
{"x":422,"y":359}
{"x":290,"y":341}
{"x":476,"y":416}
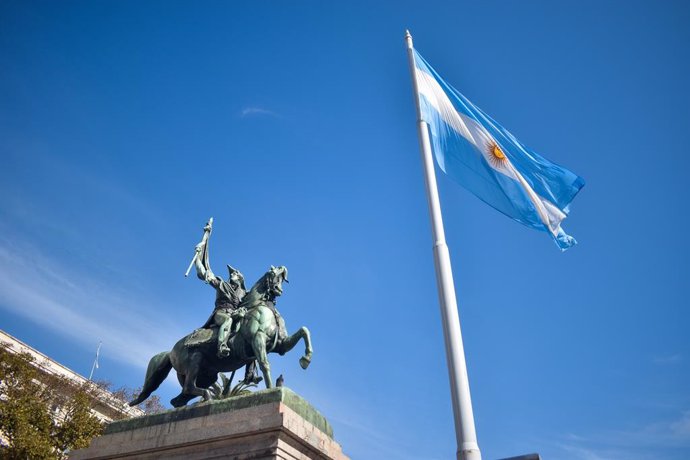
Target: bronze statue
{"x":198,"y":358}
{"x":229,"y":293}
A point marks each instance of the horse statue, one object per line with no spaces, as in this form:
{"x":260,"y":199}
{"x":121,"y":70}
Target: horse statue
{"x":261,"y":331}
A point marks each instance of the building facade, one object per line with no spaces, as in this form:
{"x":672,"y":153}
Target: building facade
{"x":105,"y":406}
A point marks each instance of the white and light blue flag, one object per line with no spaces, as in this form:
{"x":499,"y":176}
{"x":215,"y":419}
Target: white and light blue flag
{"x":490,"y":162}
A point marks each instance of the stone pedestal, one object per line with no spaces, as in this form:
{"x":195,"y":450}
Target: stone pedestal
{"x":268,"y":424}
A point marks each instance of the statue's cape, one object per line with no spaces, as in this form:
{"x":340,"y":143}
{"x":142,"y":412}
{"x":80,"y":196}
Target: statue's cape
{"x":209,"y":322}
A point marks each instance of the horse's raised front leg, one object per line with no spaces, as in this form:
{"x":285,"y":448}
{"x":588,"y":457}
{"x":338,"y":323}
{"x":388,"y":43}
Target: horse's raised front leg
{"x":259,"y":348}
{"x":290,"y":342}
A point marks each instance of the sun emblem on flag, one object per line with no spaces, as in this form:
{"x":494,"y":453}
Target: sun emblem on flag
{"x":496,"y":156}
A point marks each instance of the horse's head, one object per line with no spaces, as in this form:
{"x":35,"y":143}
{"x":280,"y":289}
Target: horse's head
{"x":267,"y":288}
{"x":274,"y":280}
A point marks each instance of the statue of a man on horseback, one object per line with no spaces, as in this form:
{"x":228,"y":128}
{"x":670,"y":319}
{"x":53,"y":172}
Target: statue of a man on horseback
{"x":244,"y":327}
{"x":229,"y":293}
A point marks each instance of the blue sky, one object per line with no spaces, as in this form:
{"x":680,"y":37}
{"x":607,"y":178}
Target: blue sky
{"x":125,"y":125}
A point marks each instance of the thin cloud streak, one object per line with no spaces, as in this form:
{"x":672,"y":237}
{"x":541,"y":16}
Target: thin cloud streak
{"x":352,"y":420}
{"x":47,"y":294}
{"x":570,"y":451}
{"x":258,"y":111}
{"x":674,"y":432}
{"x":647,"y":442}
{"x":369,"y":438}
{"x":668,"y":359}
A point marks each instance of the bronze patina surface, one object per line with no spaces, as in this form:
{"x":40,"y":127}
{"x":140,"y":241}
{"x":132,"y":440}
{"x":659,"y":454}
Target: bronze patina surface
{"x":244,"y":327}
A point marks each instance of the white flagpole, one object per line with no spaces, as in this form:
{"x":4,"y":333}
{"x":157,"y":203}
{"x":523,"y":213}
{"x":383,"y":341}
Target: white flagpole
{"x":465,"y":434}
{"x":95,"y":361}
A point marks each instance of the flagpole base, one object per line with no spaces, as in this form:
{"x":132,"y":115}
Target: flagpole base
{"x":469,"y":453}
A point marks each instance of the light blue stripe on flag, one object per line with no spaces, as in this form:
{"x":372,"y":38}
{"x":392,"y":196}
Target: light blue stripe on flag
{"x":490,"y":162}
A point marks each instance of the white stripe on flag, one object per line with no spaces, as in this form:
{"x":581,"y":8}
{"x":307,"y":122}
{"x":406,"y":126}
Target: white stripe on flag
{"x":478,"y":136}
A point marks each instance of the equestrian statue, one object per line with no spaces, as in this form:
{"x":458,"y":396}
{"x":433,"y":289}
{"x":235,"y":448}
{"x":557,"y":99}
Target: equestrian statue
{"x":244,"y":327}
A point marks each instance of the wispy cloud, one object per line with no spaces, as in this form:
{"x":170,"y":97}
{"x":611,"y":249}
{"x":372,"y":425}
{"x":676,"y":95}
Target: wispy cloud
{"x":675,"y":431}
{"x":258,"y":111}
{"x":370,"y":439}
{"x":79,"y":306}
{"x":680,"y":429}
{"x":579,"y":452}
{"x":668,"y":359}
{"x":648,"y":441}
{"x":355,"y":427}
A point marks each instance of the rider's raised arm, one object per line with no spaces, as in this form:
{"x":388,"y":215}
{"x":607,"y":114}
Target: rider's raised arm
{"x":203,"y":268}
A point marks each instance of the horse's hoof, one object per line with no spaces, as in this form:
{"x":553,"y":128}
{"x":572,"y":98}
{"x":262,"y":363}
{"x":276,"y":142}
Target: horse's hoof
{"x":304,"y":362}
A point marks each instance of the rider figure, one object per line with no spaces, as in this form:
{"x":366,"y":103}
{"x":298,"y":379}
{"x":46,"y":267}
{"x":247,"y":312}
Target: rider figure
{"x":229,"y":294}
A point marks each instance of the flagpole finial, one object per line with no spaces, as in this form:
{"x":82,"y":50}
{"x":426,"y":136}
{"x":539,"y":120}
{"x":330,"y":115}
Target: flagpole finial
{"x":408,"y":38}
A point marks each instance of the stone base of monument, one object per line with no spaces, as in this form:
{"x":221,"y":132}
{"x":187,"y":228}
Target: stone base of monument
{"x":268,"y":424}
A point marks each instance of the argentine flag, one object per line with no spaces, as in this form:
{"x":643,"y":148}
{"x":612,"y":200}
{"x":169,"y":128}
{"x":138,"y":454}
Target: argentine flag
{"x":490,"y":162}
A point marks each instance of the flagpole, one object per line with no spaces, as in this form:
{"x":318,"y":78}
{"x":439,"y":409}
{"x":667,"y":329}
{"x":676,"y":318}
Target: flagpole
{"x":95,"y":361}
{"x":465,"y":434}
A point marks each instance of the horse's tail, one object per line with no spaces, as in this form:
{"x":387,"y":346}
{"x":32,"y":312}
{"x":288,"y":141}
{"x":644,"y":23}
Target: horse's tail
{"x":158,"y":370}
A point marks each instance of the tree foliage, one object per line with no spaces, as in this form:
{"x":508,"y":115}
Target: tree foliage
{"x":125,"y":394}
{"x":42,"y":416}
